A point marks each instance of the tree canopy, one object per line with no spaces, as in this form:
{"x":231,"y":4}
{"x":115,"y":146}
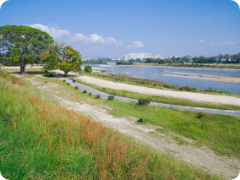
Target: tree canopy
{"x":60,"y":57}
{"x":24,"y":43}
{"x":88,"y":69}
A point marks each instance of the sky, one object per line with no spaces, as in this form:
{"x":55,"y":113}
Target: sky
{"x":111,"y":28}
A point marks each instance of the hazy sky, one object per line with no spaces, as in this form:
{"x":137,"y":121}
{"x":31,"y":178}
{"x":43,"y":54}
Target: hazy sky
{"x":111,"y":28}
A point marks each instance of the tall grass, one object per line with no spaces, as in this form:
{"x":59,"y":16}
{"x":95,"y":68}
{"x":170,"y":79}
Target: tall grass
{"x":41,"y":140}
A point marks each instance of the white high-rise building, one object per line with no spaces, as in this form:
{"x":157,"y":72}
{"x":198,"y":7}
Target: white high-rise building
{"x":134,"y":56}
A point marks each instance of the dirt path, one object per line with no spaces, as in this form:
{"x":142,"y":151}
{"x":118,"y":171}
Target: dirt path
{"x":202,"y":158}
{"x":159,"y":92}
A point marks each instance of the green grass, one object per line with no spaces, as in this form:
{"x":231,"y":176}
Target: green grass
{"x":161,"y":99}
{"x":42,"y":140}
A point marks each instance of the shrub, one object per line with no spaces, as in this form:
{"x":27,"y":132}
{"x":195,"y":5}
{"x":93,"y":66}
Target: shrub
{"x":88,"y":69}
{"x":90,"y":94}
{"x":68,"y":83}
{"x":200,"y":115}
{"x":76,"y":87}
{"x":110,"y":98}
{"x":143,"y":102}
{"x":140,"y":120}
{"x":64,"y":80}
{"x":97,"y":96}
{"x":84,"y":91}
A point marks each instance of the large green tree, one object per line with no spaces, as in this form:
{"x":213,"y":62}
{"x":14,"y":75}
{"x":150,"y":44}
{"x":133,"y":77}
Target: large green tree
{"x":60,"y":57}
{"x":24,"y":43}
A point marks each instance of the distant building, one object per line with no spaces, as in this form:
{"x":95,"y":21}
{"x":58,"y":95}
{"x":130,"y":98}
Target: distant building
{"x":134,"y":56}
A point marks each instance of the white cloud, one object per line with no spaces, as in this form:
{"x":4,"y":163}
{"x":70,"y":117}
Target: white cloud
{"x":136,"y":44}
{"x":52,"y":31}
{"x":201,"y":41}
{"x":94,"y":38}
{"x":223,"y":43}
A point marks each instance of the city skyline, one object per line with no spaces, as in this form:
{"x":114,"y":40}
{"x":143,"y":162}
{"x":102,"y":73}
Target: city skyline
{"x":113,"y":29}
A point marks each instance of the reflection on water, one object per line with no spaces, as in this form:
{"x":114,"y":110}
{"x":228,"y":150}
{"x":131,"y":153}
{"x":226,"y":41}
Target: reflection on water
{"x":159,"y":74}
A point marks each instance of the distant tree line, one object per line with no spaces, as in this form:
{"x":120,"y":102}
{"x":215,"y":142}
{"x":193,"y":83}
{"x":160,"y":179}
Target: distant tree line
{"x":130,"y":62}
{"x":227,"y":58}
{"x":94,"y":61}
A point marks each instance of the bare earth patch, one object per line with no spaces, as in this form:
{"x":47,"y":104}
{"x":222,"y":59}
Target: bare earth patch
{"x":202,"y":158}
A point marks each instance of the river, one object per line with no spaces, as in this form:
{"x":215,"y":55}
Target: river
{"x":183,"y":76}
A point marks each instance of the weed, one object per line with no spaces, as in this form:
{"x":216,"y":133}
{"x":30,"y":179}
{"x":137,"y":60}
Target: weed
{"x":97,"y":96}
{"x":200,"y":115}
{"x":110,"y":98}
{"x":140,"y":120}
{"x":143,"y":102}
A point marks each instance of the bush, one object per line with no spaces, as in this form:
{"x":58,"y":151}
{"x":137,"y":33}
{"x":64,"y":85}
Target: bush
{"x":140,"y":120}
{"x":110,"y":98}
{"x":64,"y":80}
{"x":143,"y":102}
{"x":90,"y":94}
{"x":84,"y":91}
{"x":76,"y":87}
{"x":88,"y":69}
{"x":200,"y":115}
{"x":68,"y":83}
{"x":97,"y":96}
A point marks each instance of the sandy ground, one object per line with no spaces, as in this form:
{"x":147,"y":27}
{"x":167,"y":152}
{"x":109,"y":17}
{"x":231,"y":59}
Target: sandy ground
{"x":159,"y":92}
{"x":17,"y":67}
{"x":207,"y":77}
{"x":202,"y":158}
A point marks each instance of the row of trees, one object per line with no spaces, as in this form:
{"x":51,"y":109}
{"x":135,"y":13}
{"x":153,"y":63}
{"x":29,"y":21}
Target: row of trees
{"x":201,"y":59}
{"x":27,"y":45}
{"x":94,"y":61}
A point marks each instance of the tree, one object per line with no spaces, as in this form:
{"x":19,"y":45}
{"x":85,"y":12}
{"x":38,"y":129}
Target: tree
{"x":227,"y":57}
{"x":88,"y":69}
{"x":186,"y":58}
{"x":65,"y":58}
{"x":131,"y":62}
{"x":24,"y":43}
{"x":52,"y":56}
{"x":219,"y":57}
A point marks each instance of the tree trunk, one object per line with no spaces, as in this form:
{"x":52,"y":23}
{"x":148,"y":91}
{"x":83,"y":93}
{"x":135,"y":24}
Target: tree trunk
{"x":65,"y":73}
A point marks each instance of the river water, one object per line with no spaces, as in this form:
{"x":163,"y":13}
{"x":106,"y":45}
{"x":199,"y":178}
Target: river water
{"x":171,"y":75}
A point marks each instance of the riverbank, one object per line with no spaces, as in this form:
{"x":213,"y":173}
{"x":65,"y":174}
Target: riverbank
{"x":216,"y":99}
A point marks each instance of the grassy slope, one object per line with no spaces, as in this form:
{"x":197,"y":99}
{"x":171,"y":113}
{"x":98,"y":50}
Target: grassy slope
{"x":41,"y":140}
